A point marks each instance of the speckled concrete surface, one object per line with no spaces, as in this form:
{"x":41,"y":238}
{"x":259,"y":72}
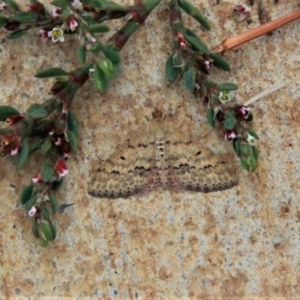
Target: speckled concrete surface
{"x":238,"y":244}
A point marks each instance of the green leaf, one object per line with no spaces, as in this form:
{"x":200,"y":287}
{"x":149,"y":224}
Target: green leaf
{"x":73,"y":124}
{"x":61,"y":3}
{"x":47,"y":170}
{"x":191,"y":33}
{"x":170,"y":70}
{"x":26,"y":17}
{"x":54,"y":230}
{"x":16,"y":34}
{"x":103,"y":5}
{"x":99,"y":28}
{"x":255,"y":152}
{"x":253,"y":133}
{"x":244,"y":164}
{"x":219,"y":61}
{"x":36,"y":111}
{"x":249,"y":163}
{"x":46,"y":231}
{"x":210,"y":117}
{"x":44,"y":243}
{"x":51,"y":72}
{"x":12,"y":4}
{"x":108,"y":68}
{"x":250,"y":117}
{"x":7,"y":112}
{"x":195,"y":13}
{"x":27,"y":205}
{"x":230,"y":121}
{"x":253,"y":162}
{"x":53,"y":202}
{"x":73,"y":141}
{"x":227,"y":87}
{"x":189,"y":77}
{"x":101,"y":80}
{"x":113,"y":56}
{"x":35,"y":229}
{"x":26,"y":193}
{"x":245,"y":149}
{"x":45,"y":214}
{"x":3,"y":21}
{"x":23,"y":154}
{"x":46,"y":147}
{"x":35,"y":146}
{"x":81,"y":54}
{"x":197,"y":44}
{"x":95,"y":48}
{"x":237,"y":146}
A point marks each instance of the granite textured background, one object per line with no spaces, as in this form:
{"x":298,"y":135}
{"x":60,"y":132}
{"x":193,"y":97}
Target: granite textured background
{"x":239,"y":244}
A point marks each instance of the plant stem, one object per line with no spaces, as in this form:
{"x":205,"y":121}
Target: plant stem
{"x":245,"y":37}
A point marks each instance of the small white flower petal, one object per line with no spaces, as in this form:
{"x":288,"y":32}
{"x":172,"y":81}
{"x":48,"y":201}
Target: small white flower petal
{"x":32,"y":211}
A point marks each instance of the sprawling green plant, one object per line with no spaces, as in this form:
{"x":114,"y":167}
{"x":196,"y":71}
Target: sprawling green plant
{"x":51,"y":128}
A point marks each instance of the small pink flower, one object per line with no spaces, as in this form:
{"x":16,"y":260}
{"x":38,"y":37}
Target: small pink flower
{"x":61,"y":168}
{"x":44,"y":35}
{"x":58,"y":141}
{"x":37,"y":178}
{"x":243,"y":111}
{"x":73,"y":24}
{"x":32,"y":211}
{"x":56,"y":12}
{"x":37,"y":7}
{"x":14,"y":151}
{"x":3,"y":6}
{"x":230,"y":135}
{"x":241,"y":12}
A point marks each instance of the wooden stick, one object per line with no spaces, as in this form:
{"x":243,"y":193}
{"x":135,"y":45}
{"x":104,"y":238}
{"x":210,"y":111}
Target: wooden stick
{"x":265,"y":93}
{"x":245,"y":37}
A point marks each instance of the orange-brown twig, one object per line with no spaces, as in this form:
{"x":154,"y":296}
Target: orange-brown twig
{"x":245,"y":37}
